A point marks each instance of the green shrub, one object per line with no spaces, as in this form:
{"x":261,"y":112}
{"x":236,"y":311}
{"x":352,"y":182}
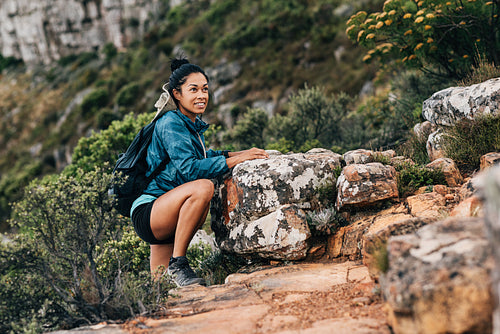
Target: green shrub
{"x":94,"y":101}
{"x":283,"y":145}
{"x":86,"y":254}
{"x":482,"y":71}
{"x":411,"y":177}
{"x":425,"y":33}
{"x":468,"y":140}
{"x":248,"y":131}
{"x":128,"y":94}
{"x":109,"y":51}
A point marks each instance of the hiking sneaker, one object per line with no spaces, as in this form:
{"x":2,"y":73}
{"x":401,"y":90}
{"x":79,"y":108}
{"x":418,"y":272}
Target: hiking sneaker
{"x":182,"y":273}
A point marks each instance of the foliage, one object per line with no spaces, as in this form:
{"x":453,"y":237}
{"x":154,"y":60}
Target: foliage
{"x":248,"y":131}
{"x":468,"y":140}
{"x":7,"y":62}
{"x":198,"y":253}
{"x":104,"y":146}
{"x":324,"y":221}
{"x":327,"y":190}
{"x":91,"y":266}
{"x":426,"y":33}
{"x":127,"y":95}
{"x":95,"y":100}
{"x":410,"y":177}
{"x":312,"y":116}
{"x":481,"y":72}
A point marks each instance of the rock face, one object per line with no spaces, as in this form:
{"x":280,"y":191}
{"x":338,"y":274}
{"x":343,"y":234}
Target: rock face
{"x":259,"y":209}
{"x":450,"y":105}
{"x":45,"y":30}
{"x":438,"y":279}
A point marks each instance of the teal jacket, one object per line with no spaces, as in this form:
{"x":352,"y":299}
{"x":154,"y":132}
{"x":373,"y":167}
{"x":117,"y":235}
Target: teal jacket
{"x":183,"y":140}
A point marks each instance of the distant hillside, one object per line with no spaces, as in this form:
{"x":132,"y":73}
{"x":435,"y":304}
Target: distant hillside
{"x":257,"y":54}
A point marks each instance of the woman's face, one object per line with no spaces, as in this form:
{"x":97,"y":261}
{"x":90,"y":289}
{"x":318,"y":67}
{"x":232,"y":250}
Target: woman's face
{"x":193,"y":96}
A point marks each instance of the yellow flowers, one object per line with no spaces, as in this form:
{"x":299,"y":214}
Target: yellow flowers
{"x":462,"y":23}
{"x":392,"y":12}
{"x":419,"y":46}
{"x":366,"y":58}
{"x":430,"y":16}
{"x":412,"y":57}
{"x":407,"y":16}
{"x":465,"y":56}
{"x":419,"y":19}
{"x":427,"y":27}
{"x":408,"y":32}
{"x":489,"y":3}
{"x":379,"y":25}
{"x":429,"y":40}
{"x":349,"y":29}
{"x":420,"y":12}
{"x":370,"y":36}
{"x":360,"y":33}
{"x":388,"y":22}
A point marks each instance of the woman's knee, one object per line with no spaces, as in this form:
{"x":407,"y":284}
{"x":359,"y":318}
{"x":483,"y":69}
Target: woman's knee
{"x":205,"y":188}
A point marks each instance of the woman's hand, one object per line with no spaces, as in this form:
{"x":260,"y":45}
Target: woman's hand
{"x":251,"y":154}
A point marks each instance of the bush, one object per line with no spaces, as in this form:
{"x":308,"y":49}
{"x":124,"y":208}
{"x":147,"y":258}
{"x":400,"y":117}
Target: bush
{"x":468,"y":140}
{"x":218,"y":265}
{"x":95,"y":100}
{"x":248,"y":131}
{"x":128,"y":94}
{"x":425,"y":33}
{"x":313,"y":117}
{"x":411,"y":177}
{"x":90,"y":261}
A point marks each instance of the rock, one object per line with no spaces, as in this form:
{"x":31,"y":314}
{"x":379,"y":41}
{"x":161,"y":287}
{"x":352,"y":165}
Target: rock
{"x":40,"y":32}
{"x":450,"y":105}
{"x":422,"y":130}
{"x":362,"y":156}
{"x":470,"y":207}
{"x":201,"y":237}
{"x":433,"y":145}
{"x":491,"y":191}
{"x":438,"y":279}
{"x":450,"y":171}
{"x":428,"y":205}
{"x":252,"y":211}
{"x":365,"y":184}
{"x":489,"y":160}
{"x":280,"y":235}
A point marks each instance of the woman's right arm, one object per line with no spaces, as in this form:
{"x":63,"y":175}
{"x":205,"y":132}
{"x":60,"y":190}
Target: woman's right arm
{"x":251,"y":154}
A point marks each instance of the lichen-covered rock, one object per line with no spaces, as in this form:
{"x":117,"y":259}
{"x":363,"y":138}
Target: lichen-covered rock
{"x":450,"y":105}
{"x":438,"y":279}
{"x":433,"y":145}
{"x":258,"y":190}
{"x":280,"y":235}
{"x":449,"y":169}
{"x":362,"y":156}
{"x":365,"y":184}
{"x":428,"y":205}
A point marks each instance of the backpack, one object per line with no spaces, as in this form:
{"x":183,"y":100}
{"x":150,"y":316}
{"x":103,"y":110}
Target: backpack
{"x":129,"y":173}
{"x":130,"y":170}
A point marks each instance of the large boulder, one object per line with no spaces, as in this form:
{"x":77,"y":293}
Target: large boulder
{"x":450,"y":105}
{"x":438,"y":279}
{"x":258,"y":209}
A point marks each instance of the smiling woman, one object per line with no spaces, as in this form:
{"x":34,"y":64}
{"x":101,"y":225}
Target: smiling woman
{"x":176,"y":202}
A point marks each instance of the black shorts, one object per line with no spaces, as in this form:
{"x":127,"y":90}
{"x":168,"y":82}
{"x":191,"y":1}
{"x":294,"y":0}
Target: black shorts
{"x":141,"y":218}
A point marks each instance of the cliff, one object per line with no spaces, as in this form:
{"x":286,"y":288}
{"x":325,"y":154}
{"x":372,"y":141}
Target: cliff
{"x":40,"y":32}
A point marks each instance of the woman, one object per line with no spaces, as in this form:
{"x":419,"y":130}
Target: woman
{"x":175,"y":204}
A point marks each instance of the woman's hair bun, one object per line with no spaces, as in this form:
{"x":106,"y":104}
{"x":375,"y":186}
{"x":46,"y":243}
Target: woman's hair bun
{"x":176,"y":63}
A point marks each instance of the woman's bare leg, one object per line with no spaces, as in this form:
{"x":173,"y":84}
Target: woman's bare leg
{"x":180,"y":212}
